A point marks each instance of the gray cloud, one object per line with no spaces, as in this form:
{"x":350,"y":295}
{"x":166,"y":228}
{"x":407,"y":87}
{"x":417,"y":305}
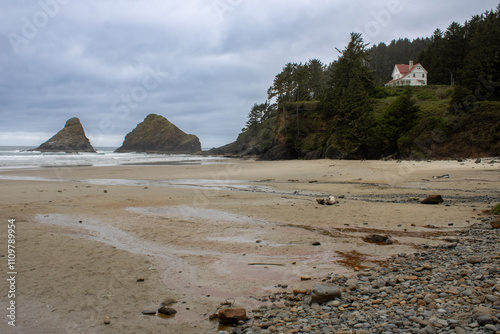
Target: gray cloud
{"x":213,"y":58}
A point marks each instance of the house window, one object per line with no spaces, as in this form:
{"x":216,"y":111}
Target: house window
{"x":423,"y":75}
{"x":414,"y":75}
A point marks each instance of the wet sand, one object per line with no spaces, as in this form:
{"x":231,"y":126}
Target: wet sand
{"x":202,"y":234}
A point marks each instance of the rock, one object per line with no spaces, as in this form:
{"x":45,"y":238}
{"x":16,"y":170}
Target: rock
{"x":299,"y":291}
{"x":167,"y":311}
{"x":495,"y":223}
{"x":376,"y":238}
{"x":157,"y":135}
{"x":71,"y":139}
{"x":149,"y":312}
{"x":322,"y":293}
{"x":427,"y":266}
{"x":493,"y":298}
{"x":305,"y":278}
{"x":107,"y":320}
{"x":316,"y":243}
{"x":433,"y":199}
{"x":474,"y":259}
{"x":168,"y":302}
{"x":280,"y":152}
{"x":492,"y":328}
{"x":430,"y":330}
{"x":483,"y":320}
{"x":232,"y":316}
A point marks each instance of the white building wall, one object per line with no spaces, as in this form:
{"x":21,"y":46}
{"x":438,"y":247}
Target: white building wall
{"x":417,"y":77}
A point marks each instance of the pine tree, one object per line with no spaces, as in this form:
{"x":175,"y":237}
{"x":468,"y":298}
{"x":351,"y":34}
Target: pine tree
{"x":348,"y":96}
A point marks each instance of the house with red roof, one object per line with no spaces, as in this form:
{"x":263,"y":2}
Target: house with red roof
{"x":408,"y":75}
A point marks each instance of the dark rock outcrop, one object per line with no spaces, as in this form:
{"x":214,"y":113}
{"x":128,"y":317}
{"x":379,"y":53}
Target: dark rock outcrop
{"x":157,"y":135}
{"x":71,"y":139}
{"x":280,"y":152}
{"x":236,"y":149}
{"x":433,"y":200}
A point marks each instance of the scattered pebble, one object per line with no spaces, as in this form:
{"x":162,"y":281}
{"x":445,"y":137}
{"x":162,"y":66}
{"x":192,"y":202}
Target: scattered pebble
{"x":437,"y":289}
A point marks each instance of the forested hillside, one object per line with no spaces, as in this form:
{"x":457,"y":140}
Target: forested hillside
{"x":342,"y":110}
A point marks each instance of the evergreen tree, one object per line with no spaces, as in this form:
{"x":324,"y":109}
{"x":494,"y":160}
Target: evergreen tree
{"x":481,"y":73}
{"x":396,"y":122}
{"x":350,"y":72}
{"x":347,"y":99}
{"x":255,"y":116}
{"x":454,"y":51}
{"x":316,"y":78}
{"x":432,"y":59}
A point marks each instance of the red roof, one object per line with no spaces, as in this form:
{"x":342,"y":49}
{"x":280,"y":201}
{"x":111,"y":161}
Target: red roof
{"x":405,"y":68}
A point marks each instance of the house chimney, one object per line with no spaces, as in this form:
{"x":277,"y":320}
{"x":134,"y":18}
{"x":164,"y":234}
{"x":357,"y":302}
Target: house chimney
{"x":411,"y":64}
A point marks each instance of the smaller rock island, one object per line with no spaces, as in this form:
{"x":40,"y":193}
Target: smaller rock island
{"x":156,"y":134}
{"x":70,"y":139}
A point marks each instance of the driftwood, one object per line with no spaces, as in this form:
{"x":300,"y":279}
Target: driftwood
{"x":327,"y":201}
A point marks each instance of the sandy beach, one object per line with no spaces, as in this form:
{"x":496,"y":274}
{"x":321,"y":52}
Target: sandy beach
{"x":116,"y":241}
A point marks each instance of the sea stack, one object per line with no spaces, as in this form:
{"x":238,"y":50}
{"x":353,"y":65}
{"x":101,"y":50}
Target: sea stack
{"x":71,"y":139}
{"x":157,"y":135}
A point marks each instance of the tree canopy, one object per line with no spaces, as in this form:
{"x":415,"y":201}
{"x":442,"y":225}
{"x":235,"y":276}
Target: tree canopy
{"x":342,"y":110}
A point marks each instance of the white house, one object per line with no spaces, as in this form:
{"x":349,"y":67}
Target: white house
{"x":408,"y":75}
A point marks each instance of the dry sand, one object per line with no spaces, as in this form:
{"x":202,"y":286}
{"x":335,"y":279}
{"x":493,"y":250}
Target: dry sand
{"x":85,"y":235}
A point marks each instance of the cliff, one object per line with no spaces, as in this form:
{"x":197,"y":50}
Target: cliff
{"x":415,"y":125}
{"x":157,"y":135}
{"x":71,"y":139}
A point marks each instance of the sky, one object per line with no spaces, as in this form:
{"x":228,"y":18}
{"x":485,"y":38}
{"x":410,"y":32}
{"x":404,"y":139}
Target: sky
{"x":200,"y":63}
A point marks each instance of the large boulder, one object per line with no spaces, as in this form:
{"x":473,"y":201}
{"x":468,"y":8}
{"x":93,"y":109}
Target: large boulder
{"x":323,"y":293}
{"x":232,"y":316}
{"x":71,"y":139}
{"x":157,"y":135}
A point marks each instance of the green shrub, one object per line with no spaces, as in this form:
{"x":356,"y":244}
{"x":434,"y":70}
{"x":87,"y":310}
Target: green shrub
{"x":496,"y":210}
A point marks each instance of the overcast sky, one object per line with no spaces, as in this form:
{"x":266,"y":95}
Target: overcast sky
{"x":200,"y":63}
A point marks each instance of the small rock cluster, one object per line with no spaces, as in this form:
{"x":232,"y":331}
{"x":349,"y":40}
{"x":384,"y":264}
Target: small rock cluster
{"x":446,"y":289}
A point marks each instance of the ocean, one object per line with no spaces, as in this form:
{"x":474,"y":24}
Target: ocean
{"x":22,"y":157}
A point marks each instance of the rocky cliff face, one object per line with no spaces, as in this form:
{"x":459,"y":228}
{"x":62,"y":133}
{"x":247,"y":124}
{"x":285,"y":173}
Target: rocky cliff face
{"x":71,"y":139}
{"x":157,"y":135}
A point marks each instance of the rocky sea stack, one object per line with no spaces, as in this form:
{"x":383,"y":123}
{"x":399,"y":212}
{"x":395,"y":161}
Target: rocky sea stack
{"x":71,"y":139}
{"x":157,"y":135}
